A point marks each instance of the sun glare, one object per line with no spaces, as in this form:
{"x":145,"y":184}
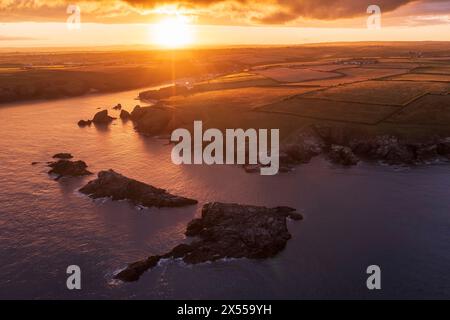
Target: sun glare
{"x":173,"y":32}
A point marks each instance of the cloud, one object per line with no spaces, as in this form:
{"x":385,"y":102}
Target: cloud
{"x":8,"y":38}
{"x":207,"y":11}
{"x":327,"y":9}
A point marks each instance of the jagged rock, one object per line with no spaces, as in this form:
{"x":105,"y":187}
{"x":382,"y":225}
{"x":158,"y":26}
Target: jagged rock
{"x":342,"y":155}
{"x":311,"y":141}
{"x":102,"y":117}
{"x":226,"y":231}
{"x":117,"y":107}
{"x":84,"y":123}
{"x":69,"y":168}
{"x":385,"y":148}
{"x":426,"y":153}
{"x":134,"y":270}
{"x":443,"y":148}
{"x":63,"y":155}
{"x":118,"y":187}
{"x":137,"y":112}
{"x":152,"y":120}
{"x":124,"y":115}
{"x":296,"y":154}
{"x":301,"y":147}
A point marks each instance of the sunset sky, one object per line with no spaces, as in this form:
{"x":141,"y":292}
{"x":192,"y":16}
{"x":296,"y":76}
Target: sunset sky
{"x":32,"y":23}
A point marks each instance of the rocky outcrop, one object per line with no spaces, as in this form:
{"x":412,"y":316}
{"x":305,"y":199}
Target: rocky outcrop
{"x":84,"y":123}
{"x":347,"y":145}
{"x":68,"y":168}
{"x":62,"y":155}
{"x":302,"y":146}
{"x":342,"y":155}
{"x":124,"y":115}
{"x":384,"y":148}
{"x":137,"y":112}
{"x":118,"y":187}
{"x":117,"y":107}
{"x":426,"y":152}
{"x":394,"y":151}
{"x":153,"y":120}
{"x":443,"y":148}
{"x":102,"y":117}
{"x":226,"y":231}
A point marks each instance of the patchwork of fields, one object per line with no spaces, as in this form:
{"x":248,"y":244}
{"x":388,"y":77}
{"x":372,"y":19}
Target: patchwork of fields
{"x":381,"y":93}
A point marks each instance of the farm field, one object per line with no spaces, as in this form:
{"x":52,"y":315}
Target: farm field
{"x":236,"y":77}
{"x":394,"y":65}
{"x":423,"y":77}
{"x":382,"y":85}
{"x":397,"y":93}
{"x":226,"y":85}
{"x":429,"y":110}
{"x":433,"y":70}
{"x":392,"y":95}
{"x":233,"y":108}
{"x":246,"y":98}
{"x":351,"y":75}
{"x":296,"y":74}
{"x":332,"y":110}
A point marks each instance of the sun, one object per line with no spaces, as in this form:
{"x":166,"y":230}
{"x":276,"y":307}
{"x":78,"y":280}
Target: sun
{"x":173,"y":32}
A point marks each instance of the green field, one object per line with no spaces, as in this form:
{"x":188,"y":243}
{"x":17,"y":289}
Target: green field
{"x":396,"y":93}
{"x":428,"y":110}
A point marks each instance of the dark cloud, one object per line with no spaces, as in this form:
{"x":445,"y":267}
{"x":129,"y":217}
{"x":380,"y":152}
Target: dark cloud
{"x":327,"y":9}
{"x":286,"y":10}
{"x":254,"y":11}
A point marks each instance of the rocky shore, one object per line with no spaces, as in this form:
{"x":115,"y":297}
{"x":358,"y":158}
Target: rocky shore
{"x":118,"y":187}
{"x":68,"y":168}
{"x":346,"y":147}
{"x":155,"y":120}
{"x":226,"y":231}
{"x":124,"y":115}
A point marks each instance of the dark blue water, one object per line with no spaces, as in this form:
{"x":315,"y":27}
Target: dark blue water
{"x":369,"y":214}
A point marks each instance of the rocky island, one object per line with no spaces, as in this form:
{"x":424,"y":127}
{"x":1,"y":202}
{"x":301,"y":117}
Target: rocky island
{"x":118,"y":187}
{"x":62,"y":155}
{"x":100,"y":118}
{"x":226,"y":231}
{"x":68,"y":168}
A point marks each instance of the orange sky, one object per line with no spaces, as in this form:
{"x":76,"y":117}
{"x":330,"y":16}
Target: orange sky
{"x":31,"y":23}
